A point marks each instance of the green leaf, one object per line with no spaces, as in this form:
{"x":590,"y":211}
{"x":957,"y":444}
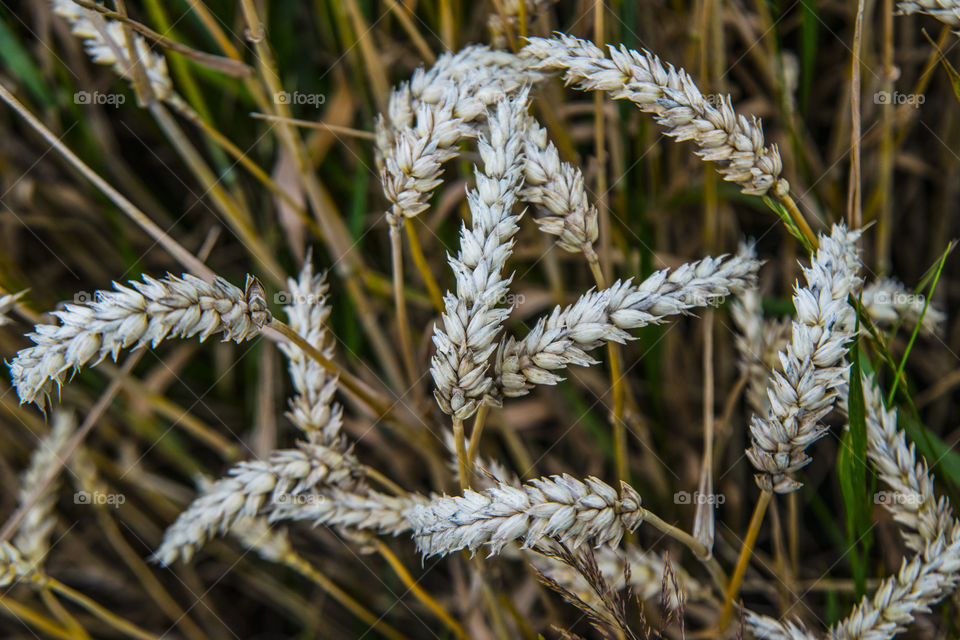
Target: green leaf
{"x":20,"y":65}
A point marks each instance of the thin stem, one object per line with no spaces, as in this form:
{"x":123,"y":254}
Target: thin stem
{"x":462,"y":466}
{"x":107,"y":616}
{"x":187,"y":259}
{"x":677,"y":534}
{"x":306,"y":569}
{"x":35,"y":618}
{"x":745,"y":552}
{"x":347,"y":379}
{"x":617,"y":386}
{"x":400,"y":305}
{"x":416,"y":252}
{"x":475,"y":436}
{"x":799,"y":220}
{"x":418,"y":591}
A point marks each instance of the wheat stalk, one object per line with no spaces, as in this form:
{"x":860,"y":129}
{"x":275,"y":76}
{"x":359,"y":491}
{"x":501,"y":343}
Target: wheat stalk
{"x":147,"y":313}
{"x":472,"y":318}
{"x":807,"y":388}
{"x":731,"y":141}
{"x":564,"y":338}
{"x":559,"y":508}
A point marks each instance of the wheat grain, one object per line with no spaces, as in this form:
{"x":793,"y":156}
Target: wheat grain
{"x":253,"y":488}
{"x":147,"y":313}
{"x":106,"y":44}
{"x":472,"y":318}
{"x":731,"y":141}
{"x":806,"y":390}
{"x":563,"y":338}
{"x":561,"y":508}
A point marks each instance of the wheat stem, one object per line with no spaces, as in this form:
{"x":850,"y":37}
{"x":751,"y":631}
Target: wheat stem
{"x":416,"y":252}
{"x":115,"y":621}
{"x":756,"y":520}
{"x":302,"y":566}
{"x":187,"y":259}
{"x":418,"y":591}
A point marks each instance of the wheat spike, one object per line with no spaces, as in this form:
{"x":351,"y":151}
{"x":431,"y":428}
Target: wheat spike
{"x":731,"y":141}
{"x":130,"y":317}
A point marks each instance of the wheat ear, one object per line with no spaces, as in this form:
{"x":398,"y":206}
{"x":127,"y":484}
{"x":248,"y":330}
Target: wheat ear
{"x":557,"y":188}
{"x":33,"y":535}
{"x":807,"y":388}
{"x":472,"y":318}
{"x":106,"y":44}
{"x":147,"y":313}
{"x":946,"y":11}
{"x":7,"y":304}
{"x":888,"y":302}
{"x":560,"y":508}
{"x":564,"y":338}
{"x":312,"y":408}
{"x":930,"y":530}
{"x":731,"y":141}
{"x":429,"y":116}
{"x":253,"y":488}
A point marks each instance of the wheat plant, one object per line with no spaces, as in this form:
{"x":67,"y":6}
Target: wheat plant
{"x":508,"y":362}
